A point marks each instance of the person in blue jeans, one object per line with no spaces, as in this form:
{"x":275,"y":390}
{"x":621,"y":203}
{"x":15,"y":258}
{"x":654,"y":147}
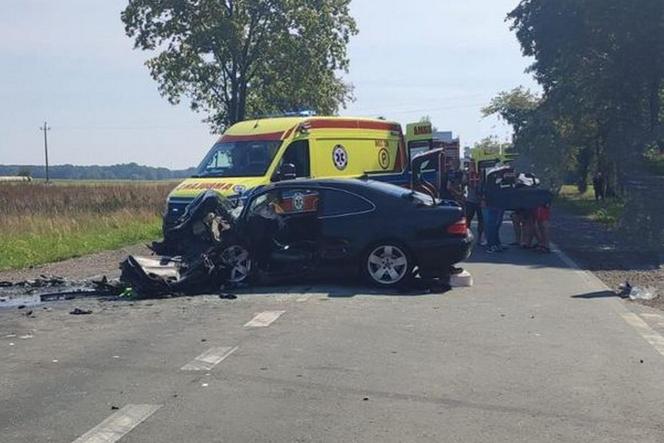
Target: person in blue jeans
{"x":493,"y":220}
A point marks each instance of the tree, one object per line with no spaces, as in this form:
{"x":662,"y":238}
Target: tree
{"x":427,"y":119}
{"x":492,"y":143}
{"x":24,"y":171}
{"x":515,"y":107}
{"x":233,"y":59}
{"x":600,"y":64}
{"x":537,"y":135}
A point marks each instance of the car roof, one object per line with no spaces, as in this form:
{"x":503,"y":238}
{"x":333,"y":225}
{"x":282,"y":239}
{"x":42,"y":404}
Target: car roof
{"x":348,"y":184}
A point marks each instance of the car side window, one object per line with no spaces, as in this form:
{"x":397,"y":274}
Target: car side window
{"x":299,"y":201}
{"x":285,"y":202}
{"x":338,"y":203}
{"x":297,"y":153}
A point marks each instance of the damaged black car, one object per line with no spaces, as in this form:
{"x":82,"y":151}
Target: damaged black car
{"x":303,"y":228}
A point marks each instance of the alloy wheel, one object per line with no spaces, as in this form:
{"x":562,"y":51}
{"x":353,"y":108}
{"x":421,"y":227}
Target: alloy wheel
{"x":238,"y":259}
{"x":387,"y":265}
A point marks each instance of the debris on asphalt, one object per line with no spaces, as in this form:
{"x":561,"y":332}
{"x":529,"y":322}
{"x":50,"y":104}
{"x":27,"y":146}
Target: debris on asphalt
{"x":624,"y":289}
{"x":227,"y":296}
{"x":79,"y":311}
{"x":190,"y":259}
{"x":114,"y":408}
{"x":637,"y":292}
{"x":28,"y":293}
{"x":461,"y":279}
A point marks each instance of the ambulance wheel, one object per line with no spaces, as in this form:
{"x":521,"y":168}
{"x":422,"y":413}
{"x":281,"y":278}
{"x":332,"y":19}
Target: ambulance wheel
{"x":237,"y":258}
{"x":388,"y":265}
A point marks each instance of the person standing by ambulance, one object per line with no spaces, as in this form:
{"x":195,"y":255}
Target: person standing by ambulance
{"x":454,"y":184}
{"x":474,"y":208}
{"x":493,"y":212}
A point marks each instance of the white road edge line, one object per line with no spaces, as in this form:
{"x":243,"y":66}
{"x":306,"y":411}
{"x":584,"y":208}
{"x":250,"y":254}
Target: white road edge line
{"x":264,"y":319}
{"x":632,"y":319}
{"x":652,"y":337}
{"x":118,"y":425}
{"x":209,"y":359}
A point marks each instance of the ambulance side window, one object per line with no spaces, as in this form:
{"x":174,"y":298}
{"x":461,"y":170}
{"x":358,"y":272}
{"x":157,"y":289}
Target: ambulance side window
{"x":297,"y":153}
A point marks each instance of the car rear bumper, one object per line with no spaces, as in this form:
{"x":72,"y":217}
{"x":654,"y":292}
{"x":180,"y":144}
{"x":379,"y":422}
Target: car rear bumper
{"x":434,"y":257}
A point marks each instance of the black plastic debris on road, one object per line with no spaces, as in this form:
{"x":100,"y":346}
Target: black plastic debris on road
{"x":79,"y":311}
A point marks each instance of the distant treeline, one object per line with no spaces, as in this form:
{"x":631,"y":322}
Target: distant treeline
{"x":128,"y":171}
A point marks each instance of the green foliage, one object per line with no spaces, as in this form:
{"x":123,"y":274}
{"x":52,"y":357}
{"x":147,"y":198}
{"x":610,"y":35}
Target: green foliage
{"x":601,"y":66}
{"x":427,"y":119}
{"x":515,"y":107}
{"x":655,"y":161}
{"x":238,"y":58}
{"x":538,"y":136}
{"x":92,"y":235}
{"x":607,"y":212}
{"x":492,"y":143}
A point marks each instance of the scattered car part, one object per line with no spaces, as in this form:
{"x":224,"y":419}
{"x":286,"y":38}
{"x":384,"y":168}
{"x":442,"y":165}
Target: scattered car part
{"x":79,"y":311}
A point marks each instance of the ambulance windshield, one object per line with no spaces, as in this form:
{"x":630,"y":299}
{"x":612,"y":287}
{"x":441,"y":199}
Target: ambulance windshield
{"x":239,"y":159}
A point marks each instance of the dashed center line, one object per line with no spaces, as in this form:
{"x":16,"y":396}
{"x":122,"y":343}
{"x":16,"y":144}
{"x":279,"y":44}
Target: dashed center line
{"x":264,"y":319}
{"x":118,"y":425}
{"x":209,"y":359}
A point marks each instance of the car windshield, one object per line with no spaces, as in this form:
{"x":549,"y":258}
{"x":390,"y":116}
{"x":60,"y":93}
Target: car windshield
{"x":239,"y":159}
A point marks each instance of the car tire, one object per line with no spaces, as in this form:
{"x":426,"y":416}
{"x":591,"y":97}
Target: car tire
{"x":388,"y":265}
{"x":238,"y":259}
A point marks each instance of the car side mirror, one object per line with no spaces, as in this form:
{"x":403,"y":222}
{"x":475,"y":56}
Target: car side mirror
{"x":287,"y":171}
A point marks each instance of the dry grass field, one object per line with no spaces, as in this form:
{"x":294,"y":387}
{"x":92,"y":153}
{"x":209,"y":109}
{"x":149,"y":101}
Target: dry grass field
{"x":43,"y":223}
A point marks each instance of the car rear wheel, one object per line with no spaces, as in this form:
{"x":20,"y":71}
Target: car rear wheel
{"x":237,"y":258}
{"x":388,"y":265}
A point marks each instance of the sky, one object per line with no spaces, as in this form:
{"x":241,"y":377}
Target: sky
{"x":69,"y":62}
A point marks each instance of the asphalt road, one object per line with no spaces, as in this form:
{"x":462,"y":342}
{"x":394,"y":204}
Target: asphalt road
{"x":535,"y":351}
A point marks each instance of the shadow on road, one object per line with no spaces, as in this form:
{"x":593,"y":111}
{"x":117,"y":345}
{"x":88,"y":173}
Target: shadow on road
{"x":599,"y":294}
{"x":350,"y":289}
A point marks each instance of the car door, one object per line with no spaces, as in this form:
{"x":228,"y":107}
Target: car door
{"x":282,"y":225}
{"x":344,"y":220}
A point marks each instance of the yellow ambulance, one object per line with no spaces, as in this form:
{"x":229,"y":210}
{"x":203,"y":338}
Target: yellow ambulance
{"x":256,"y":152}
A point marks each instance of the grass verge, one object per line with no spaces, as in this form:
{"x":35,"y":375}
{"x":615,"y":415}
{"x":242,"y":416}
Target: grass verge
{"x":46,"y":223}
{"x":607,"y":212}
{"x":87,"y":236}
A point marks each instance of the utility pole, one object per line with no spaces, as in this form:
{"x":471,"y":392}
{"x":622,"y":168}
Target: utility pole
{"x":45,"y":129}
